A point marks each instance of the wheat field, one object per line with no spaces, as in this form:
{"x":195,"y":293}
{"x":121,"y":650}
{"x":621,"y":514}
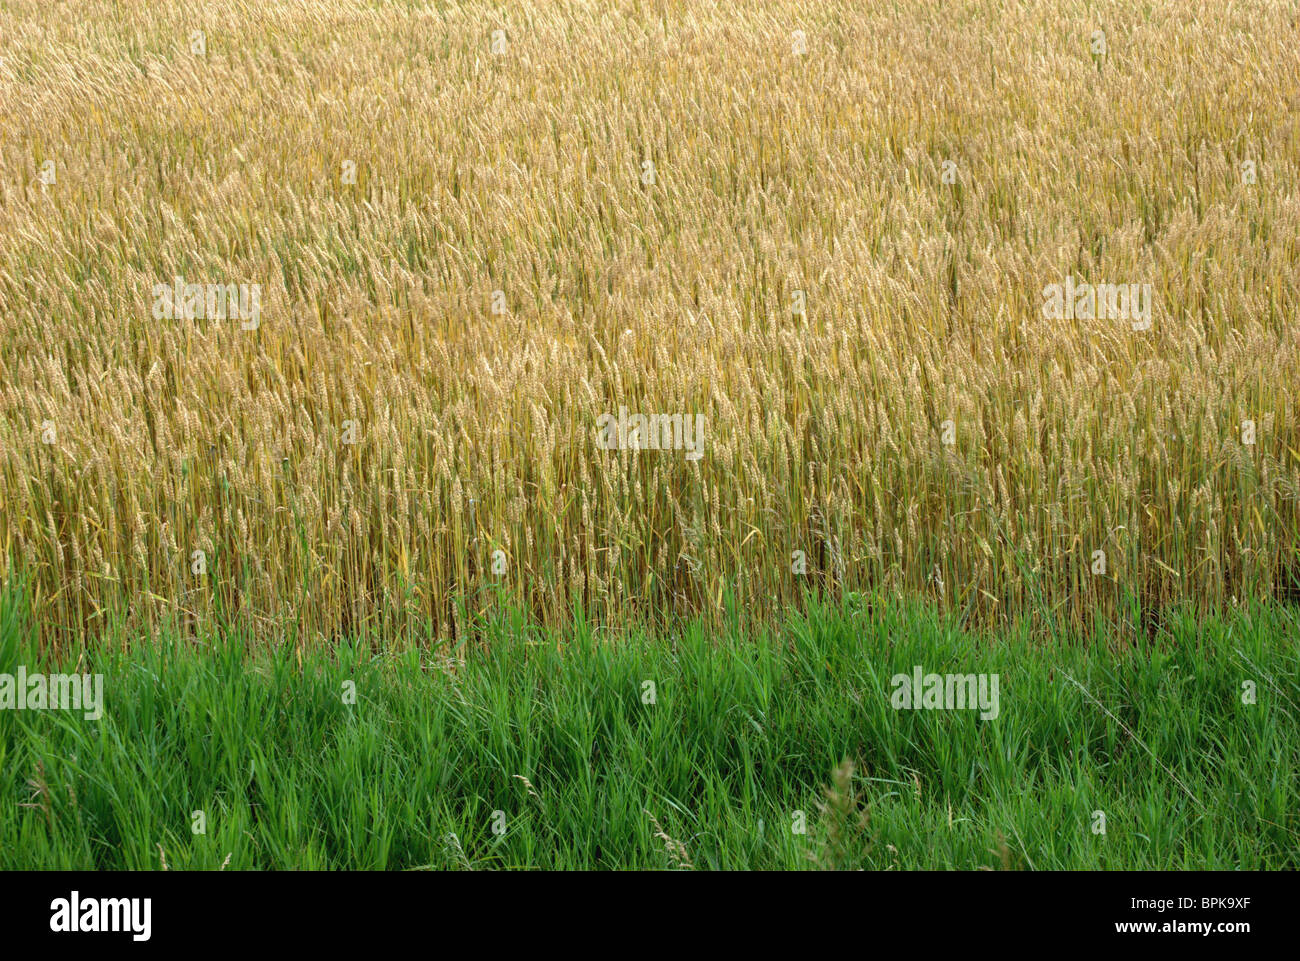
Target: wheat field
{"x":825,"y":230}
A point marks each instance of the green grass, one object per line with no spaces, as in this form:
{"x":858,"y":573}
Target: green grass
{"x":745,"y":731}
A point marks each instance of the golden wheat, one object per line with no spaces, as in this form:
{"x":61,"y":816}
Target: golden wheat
{"x":655,"y":188}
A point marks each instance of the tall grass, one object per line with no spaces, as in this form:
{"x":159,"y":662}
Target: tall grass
{"x":746,"y":739}
{"x":523,"y":172}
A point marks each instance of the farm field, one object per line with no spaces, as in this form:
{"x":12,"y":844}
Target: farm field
{"x":392,"y":390}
